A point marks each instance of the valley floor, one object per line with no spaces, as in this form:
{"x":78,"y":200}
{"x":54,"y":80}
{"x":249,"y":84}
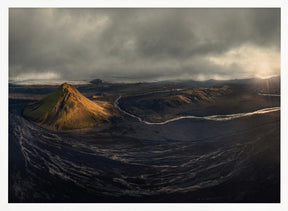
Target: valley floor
{"x":190,"y":160}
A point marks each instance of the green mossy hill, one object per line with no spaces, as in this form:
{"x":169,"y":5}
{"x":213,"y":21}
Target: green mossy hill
{"x":183,"y":98}
{"x":67,"y":109}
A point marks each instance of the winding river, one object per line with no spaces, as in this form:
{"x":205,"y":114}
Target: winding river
{"x":224,"y":117}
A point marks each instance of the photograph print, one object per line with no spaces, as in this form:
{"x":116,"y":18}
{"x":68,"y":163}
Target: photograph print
{"x":144,"y":105}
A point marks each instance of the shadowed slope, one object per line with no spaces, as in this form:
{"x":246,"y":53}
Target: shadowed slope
{"x":66,"y":108}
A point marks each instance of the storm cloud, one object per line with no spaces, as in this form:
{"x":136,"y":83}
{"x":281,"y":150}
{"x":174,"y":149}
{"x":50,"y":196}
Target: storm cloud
{"x":143,"y":44}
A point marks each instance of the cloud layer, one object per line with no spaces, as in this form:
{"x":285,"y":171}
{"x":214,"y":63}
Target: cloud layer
{"x":144,"y":44}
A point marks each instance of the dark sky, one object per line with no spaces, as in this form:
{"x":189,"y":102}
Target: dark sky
{"x":143,"y":44}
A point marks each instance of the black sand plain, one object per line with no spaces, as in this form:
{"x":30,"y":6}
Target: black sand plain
{"x":188,"y":160}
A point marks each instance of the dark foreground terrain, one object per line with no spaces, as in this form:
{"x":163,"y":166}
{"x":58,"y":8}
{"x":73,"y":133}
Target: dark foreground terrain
{"x":189,"y":160}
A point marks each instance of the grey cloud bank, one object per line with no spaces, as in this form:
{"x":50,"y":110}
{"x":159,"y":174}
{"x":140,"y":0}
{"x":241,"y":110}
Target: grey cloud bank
{"x":143,"y":44}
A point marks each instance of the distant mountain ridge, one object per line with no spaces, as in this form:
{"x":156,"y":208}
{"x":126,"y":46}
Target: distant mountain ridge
{"x":67,"y":109}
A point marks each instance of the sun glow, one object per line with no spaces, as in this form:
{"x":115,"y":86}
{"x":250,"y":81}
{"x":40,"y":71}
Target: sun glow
{"x":254,"y":61}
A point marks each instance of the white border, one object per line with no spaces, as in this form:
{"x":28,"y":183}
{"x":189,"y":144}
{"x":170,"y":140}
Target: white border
{"x":5,"y":4}
{"x":144,"y":3}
